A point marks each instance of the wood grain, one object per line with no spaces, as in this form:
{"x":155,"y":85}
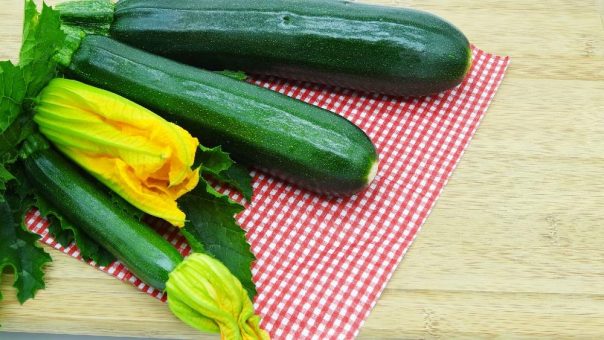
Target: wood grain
{"x":515,"y":245}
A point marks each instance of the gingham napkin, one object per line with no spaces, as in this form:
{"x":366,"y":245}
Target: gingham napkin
{"x":323,"y":263}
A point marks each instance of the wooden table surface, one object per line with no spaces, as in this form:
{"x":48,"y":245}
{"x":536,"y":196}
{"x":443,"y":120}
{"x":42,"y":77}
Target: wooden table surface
{"x":515,"y":245}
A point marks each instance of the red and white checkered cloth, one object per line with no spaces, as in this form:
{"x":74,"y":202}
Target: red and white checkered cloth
{"x":323,"y":263}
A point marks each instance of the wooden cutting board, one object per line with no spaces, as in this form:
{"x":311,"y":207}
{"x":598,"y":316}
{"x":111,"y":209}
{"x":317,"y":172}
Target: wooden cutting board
{"x":515,"y":245}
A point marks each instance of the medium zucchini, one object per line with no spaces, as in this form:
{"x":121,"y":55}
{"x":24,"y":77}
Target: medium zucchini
{"x":304,"y":144}
{"x":146,"y":254}
{"x":197,"y":286}
{"x":394,"y":51}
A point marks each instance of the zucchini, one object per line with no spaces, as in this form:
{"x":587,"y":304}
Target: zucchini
{"x":301,"y":143}
{"x":395,"y":51}
{"x":146,"y":254}
{"x":201,"y":290}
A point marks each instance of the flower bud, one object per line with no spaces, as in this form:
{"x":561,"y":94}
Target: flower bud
{"x":204,"y":294}
{"x":139,"y":155}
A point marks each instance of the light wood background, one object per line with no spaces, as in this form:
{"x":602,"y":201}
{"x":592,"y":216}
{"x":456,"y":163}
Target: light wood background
{"x":515,"y":245}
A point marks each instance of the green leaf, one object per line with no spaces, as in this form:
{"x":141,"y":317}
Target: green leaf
{"x":66,"y":233}
{"x":19,"y":250}
{"x":214,"y":160}
{"x":12,"y":93}
{"x":212,"y":228}
{"x":238,"y":177}
{"x":16,"y":133}
{"x":217,"y":164}
{"x":19,"y":187}
{"x":30,"y":21}
{"x":5,"y":176}
{"x":42,"y":38}
{"x":193,"y":242}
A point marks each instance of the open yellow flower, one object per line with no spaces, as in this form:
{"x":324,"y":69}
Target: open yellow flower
{"x":139,"y":155}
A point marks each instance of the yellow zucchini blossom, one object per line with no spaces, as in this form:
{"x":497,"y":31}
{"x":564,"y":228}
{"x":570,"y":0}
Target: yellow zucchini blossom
{"x":204,"y":294}
{"x":133,"y":151}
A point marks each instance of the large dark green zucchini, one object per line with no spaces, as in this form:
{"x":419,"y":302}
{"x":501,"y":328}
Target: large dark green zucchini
{"x":146,"y":254}
{"x":301,"y":143}
{"x":394,"y":51}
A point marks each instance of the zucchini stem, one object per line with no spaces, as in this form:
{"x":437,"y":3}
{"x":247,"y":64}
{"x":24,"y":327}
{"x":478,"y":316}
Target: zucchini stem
{"x":93,"y":16}
{"x":73,"y":38}
{"x":33,"y":143}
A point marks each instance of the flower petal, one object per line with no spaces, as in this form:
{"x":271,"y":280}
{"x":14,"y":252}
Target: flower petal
{"x":203,"y":293}
{"x":136,"y":153}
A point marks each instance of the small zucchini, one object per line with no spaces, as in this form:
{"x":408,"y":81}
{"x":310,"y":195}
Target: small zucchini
{"x":146,"y":254}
